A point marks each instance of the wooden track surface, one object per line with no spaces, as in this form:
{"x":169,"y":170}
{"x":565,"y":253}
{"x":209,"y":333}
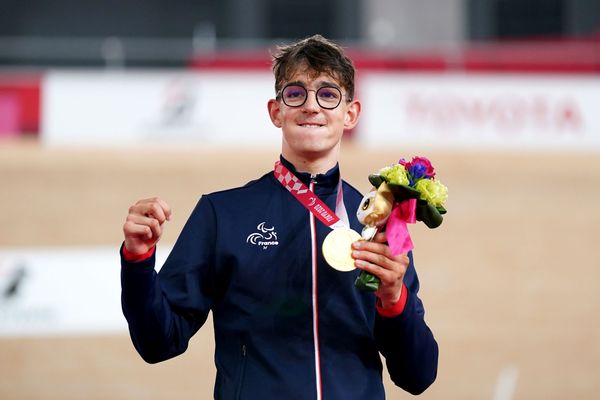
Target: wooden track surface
{"x":510,"y":280}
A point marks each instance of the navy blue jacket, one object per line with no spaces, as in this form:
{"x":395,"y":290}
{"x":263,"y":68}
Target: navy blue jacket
{"x":285,"y":327}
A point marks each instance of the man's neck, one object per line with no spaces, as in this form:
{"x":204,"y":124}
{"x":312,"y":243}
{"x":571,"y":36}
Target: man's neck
{"x":312,"y":163}
{"x":309,"y":165}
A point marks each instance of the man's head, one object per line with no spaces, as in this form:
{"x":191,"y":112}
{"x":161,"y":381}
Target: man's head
{"x":314,"y":103}
{"x":317,"y":55}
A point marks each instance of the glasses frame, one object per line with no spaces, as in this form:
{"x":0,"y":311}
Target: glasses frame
{"x":280,"y":95}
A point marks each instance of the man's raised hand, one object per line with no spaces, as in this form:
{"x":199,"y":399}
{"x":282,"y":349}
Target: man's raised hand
{"x":143,"y":226}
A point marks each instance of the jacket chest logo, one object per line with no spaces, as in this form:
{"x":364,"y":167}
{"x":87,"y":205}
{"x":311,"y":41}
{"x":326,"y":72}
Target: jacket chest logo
{"x":265,"y":236}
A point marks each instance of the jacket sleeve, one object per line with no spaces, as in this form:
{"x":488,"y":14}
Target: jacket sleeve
{"x":407,"y":343}
{"x":164,"y":310}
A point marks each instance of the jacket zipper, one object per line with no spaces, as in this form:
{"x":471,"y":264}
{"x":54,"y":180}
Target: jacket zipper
{"x":238,"y":392}
{"x":313,"y":245}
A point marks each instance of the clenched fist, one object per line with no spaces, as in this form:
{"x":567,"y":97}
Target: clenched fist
{"x":143,"y":226}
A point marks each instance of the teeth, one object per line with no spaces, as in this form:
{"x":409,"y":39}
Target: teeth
{"x":311,"y":126}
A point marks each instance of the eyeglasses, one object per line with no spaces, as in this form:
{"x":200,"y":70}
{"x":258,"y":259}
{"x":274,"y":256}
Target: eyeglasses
{"x":294,"y":95}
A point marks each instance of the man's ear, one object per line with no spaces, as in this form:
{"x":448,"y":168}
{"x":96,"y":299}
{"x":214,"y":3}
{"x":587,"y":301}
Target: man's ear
{"x":352,"y":114}
{"x":274,"y":112}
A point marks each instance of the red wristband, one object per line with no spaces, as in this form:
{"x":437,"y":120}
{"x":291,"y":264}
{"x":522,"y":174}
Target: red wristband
{"x":397,"y":308}
{"x":133,"y":257}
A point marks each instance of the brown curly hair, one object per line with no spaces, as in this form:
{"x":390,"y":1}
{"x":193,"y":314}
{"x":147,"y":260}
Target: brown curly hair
{"x":320,"y":55}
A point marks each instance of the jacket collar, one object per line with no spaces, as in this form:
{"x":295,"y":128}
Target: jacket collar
{"x":329,"y":179}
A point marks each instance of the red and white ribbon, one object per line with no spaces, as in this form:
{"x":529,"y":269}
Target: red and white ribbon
{"x":311,"y":201}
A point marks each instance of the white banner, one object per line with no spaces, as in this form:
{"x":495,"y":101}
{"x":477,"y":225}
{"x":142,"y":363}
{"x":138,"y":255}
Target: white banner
{"x":136,"y":107}
{"x":447,"y":110}
{"x":62,"y":291}
{"x":506,"y":111}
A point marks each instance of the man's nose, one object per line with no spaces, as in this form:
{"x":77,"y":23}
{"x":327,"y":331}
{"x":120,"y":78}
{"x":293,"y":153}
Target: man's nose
{"x":311,"y":103}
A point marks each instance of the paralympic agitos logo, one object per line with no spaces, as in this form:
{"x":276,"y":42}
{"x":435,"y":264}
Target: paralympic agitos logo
{"x":265,"y":237}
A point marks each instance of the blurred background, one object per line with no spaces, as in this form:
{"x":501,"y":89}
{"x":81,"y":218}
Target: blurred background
{"x":106,"y":102}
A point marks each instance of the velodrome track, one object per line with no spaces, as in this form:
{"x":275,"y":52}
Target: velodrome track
{"x":510,"y":281}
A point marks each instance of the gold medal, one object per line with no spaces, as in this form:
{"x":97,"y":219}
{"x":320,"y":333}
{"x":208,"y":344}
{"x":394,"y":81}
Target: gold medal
{"x":337,"y":248}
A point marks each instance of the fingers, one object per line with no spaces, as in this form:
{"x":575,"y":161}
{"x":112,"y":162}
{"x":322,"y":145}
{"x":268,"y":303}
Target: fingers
{"x":375,"y":253}
{"x":375,"y":257}
{"x":153,"y":207}
{"x":143,"y":225}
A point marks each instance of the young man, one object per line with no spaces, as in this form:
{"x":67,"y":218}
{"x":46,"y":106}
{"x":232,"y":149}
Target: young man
{"x":287,"y":325}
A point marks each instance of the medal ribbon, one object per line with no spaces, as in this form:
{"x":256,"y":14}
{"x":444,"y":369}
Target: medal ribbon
{"x":311,"y":201}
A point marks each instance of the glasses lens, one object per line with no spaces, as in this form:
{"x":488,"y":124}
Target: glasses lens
{"x":329,"y":97}
{"x":294,"y":95}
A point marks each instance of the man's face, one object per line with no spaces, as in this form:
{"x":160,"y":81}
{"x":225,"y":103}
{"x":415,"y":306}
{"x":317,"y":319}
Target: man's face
{"x":310,"y":131}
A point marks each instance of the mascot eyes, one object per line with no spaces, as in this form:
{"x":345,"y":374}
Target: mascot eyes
{"x":366,"y":204}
